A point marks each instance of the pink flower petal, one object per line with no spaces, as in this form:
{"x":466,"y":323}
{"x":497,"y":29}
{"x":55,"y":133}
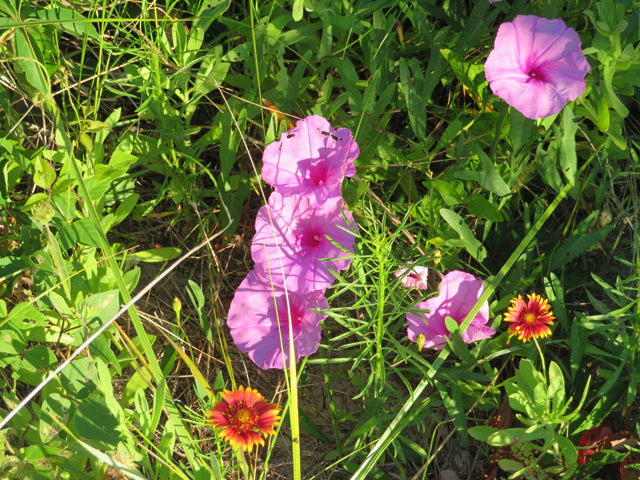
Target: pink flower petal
{"x":298,"y":242}
{"x":258,"y":320}
{"x":311,"y":160}
{"x":416,"y":277}
{"x":459,"y":292}
{"x":536,"y":65}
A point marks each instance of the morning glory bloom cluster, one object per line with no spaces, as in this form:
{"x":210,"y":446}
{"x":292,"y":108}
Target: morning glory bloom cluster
{"x":295,"y":245}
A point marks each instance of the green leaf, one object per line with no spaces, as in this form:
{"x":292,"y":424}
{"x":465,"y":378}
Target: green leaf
{"x":521,"y":128}
{"x":30,"y":58}
{"x":56,"y":406}
{"x":69,"y":21}
{"x":416,"y":104}
{"x":488,"y":178}
{"x":10,"y":266}
{"x":87,"y":233}
{"x":568,"y":157}
{"x":449,"y":194}
{"x":76,"y":378}
{"x":481,"y":433}
{"x":467,"y":239}
{"x":577,"y":244}
{"x":483,"y":208}
{"x":298,"y":10}
{"x":157,"y":255}
{"x":509,"y":436}
{"x":466,"y":72}
{"x":454,"y":407}
{"x":312,"y":429}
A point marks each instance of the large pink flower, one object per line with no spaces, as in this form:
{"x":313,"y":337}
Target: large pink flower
{"x":310,"y":160}
{"x":459,"y":292}
{"x":258,"y":319}
{"x":537,"y":65}
{"x":302,"y":230}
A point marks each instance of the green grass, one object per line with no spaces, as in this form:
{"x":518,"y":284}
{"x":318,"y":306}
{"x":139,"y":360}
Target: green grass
{"x":133,"y":125}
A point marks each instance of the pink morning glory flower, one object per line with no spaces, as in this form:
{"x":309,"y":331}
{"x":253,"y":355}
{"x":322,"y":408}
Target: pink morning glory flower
{"x":415,"y":278}
{"x":258,"y":318}
{"x":536,"y":65}
{"x":310,"y":160}
{"x":459,"y":292}
{"x":302,"y":228}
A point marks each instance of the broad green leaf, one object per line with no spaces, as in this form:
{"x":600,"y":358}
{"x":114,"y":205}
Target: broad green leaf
{"x":481,"y":207}
{"x":576,"y":245}
{"x":449,"y":194}
{"x":30,"y":58}
{"x":298,"y":10}
{"x":45,"y":174}
{"x":56,"y":406}
{"x":10,"y":266}
{"x":76,"y":378}
{"x":87,"y":233}
{"x":135,"y":383}
{"x":481,"y":433}
{"x":520,"y":131}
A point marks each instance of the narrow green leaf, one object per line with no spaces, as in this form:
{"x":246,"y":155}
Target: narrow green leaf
{"x":69,"y":21}
{"x":568,"y":157}
{"x":488,"y":178}
{"x":577,"y":244}
{"x":157,"y":254}
{"x":415,"y":103}
{"x":467,"y":239}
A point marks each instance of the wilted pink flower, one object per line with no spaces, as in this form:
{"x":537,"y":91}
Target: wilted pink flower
{"x":258,"y":322}
{"x":301,"y":228}
{"x":537,"y":65}
{"x":416,"y":278}
{"x":459,"y":292}
{"x":310,"y":160}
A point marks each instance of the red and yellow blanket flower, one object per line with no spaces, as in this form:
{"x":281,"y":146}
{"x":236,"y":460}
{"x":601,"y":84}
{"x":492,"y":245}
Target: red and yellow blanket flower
{"x":529,"y":319}
{"x":243,"y":414}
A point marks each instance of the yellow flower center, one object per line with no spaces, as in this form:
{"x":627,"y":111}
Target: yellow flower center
{"x":529,"y":318}
{"x":243,"y":418}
